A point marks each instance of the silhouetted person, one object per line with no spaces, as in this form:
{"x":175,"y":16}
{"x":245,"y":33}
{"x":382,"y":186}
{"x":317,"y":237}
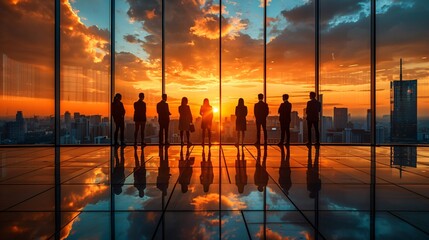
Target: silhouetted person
{"x":140,"y":172}
{"x":261,"y":113}
{"x":284,"y":112}
{"x":314,"y":184}
{"x":207,"y":175}
{"x":206,"y":112}
{"x":284,"y":171}
{"x":163,"y":119}
{"x":185,"y":170}
{"x":240,"y":122}
{"x":261,"y":174}
{"x":163,"y":177}
{"x":139,"y":118}
{"x":312,"y":112}
{"x":118,"y":173}
{"x":185,"y":120}
{"x":240,"y":171}
{"x":118,"y":114}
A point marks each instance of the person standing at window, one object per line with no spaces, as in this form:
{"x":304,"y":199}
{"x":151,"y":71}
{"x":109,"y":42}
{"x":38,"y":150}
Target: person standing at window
{"x":240,"y":122}
{"x":118,"y":114}
{"x":312,"y":112}
{"x":139,"y":118}
{"x":185,"y":120}
{"x":261,"y":113}
{"x":206,"y":112}
{"x":163,"y":119}
{"x":284,"y":112}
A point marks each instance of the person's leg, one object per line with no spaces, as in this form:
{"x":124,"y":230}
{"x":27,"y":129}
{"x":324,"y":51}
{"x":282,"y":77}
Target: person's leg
{"x":136,"y":130}
{"x":258,"y":133}
{"x":203,"y":135}
{"x":209,"y":133}
{"x":287,"y":133}
{"x":309,"y":123}
{"x":238,"y":137}
{"x":188,"y":137}
{"x":143,"y":127}
{"x":316,"y":131}
{"x":160,"y":136}
{"x":181,"y":137}
{"x":122,"y":127}
{"x":116,"y":133}
{"x":264,"y":128}
{"x":166,"y":134}
{"x":242,"y":137}
{"x":282,"y":133}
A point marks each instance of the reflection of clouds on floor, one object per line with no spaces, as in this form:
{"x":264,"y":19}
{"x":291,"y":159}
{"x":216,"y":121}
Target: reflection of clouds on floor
{"x":211,"y":201}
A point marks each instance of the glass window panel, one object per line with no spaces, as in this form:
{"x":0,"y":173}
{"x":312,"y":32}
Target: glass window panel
{"x":242,"y":64}
{"x":345,"y":71}
{"x":192,"y":62}
{"x":26,"y":72}
{"x":402,"y":33}
{"x":85,"y":72}
{"x":138,"y":61}
{"x":290,"y":62}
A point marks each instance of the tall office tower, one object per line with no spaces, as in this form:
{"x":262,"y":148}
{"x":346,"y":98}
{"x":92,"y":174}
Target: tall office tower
{"x":403,"y":102}
{"x":341,"y":117}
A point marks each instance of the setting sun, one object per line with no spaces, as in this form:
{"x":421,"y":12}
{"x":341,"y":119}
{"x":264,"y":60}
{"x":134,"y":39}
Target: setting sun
{"x":215,"y":109}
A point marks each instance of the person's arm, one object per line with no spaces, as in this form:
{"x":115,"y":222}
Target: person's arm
{"x":280,"y":108}
{"x":190,"y":113}
{"x":255,"y":111}
{"x":267,"y":110}
{"x":201,"y":111}
{"x":245,"y":111}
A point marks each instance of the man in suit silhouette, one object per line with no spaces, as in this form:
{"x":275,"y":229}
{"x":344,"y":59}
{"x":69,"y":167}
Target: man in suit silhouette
{"x":261,"y":113}
{"x":163,"y":119}
{"x":284,"y":111}
{"x":312,"y":112}
{"x":139,"y":118}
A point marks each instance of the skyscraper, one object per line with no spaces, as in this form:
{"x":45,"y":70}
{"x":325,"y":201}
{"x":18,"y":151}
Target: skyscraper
{"x":403,"y":99}
{"x":341,"y":117}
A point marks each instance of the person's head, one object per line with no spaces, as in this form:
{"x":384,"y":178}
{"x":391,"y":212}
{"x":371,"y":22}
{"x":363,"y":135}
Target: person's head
{"x":141,"y":193}
{"x":312,"y":95}
{"x":206,"y":102}
{"x":285,"y":97}
{"x":260,"y":97}
{"x":141,"y":96}
{"x":164,"y":97}
{"x":206,"y":187}
{"x":240,"y":102}
{"x":184,"y":100}
{"x":260,"y":188}
{"x":118,"y":97}
{"x":241,"y":188}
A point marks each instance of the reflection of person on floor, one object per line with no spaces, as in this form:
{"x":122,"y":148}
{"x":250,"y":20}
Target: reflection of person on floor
{"x":140,"y":172}
{"x":284,"y":171}
{"x":185,"y":170}
{"x":314,"y":184}
{"x":261,"y":175}
{"x":240,"y":171}
{"x":163,"y":177}
{"x":118,"y":173}
{"x":207,"y":176}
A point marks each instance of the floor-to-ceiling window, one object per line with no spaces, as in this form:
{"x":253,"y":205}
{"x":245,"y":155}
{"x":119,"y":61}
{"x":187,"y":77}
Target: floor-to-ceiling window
{"x":26,"y":72}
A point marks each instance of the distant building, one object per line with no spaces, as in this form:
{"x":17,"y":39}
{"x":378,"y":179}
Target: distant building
{"x":403,"y":125}
{"x":341,"y":118}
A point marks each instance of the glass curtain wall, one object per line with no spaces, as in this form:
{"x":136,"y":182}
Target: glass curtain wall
{"x":27,"y":72}
{"x":192,"y":67}
{"x":290,"y":62}
{"x":85,"y":72}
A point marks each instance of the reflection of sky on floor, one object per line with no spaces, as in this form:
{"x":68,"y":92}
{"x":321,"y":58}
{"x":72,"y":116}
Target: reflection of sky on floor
{"x":174,"y":193}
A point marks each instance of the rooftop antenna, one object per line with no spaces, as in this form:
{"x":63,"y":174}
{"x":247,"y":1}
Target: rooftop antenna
{"x":400,"y":71}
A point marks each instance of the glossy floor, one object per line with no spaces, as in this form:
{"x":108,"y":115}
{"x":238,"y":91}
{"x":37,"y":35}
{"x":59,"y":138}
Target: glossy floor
{"x":335,"y":192}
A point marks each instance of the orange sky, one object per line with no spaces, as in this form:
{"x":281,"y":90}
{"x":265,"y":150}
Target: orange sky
{"x":192,"y":57}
